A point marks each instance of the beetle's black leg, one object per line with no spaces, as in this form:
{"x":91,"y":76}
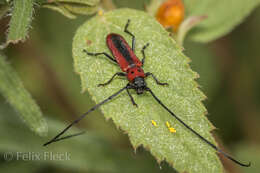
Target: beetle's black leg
{"x":102,"y":53}
{"x":128,"y":32}
{"x":131,"y":97}
{"x":156,"y":80}
{"x":145,"y":46}
{"x":110,"y":80}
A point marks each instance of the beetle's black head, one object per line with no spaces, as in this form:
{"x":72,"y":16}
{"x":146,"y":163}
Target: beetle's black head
{"x":139,"y":85}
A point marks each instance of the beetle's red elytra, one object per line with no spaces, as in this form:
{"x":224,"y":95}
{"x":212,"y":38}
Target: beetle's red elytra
{"x":125,"y":57}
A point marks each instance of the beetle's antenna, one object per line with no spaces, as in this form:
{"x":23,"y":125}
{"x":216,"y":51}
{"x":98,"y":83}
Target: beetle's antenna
{"x":197,"y":134}
{"x":56,"y":138}
{"x":69,"y":136}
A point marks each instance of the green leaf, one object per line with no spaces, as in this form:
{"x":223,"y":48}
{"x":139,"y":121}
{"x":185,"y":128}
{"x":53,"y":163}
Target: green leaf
{"x":78,"y":9}
{"x":88,"y":152}
{"x":223,"y":16}
{"x":182,"y":149}
{"x":83,"y":2}
{"x":186,"y":26}
{"x":20,"y":21}
{"x":61,"y":10}
{"x":11,"y":87}
{"x":70,"y":7}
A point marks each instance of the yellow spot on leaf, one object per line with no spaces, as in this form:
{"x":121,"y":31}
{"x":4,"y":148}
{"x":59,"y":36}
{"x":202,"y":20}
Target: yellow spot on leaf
{"x":154,"y":123}
{"x":172,"y":130}
{"x":100,"y":12}
{"x":168,"y":124}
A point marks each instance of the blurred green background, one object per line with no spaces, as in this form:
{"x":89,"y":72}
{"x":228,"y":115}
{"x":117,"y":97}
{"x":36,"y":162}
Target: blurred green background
{"x":229,"y":71}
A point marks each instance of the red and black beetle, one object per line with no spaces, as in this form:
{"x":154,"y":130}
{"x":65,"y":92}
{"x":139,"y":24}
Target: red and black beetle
{"x":127,"y":60}
{"x":132,"y":69}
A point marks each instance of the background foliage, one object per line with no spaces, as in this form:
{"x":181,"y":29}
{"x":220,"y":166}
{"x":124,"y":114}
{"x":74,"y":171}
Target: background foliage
{"x":228,"y":68}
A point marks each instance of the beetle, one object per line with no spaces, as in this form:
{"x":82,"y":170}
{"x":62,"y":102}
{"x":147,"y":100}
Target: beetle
{"x":132,"y":69}
{"x":127,"y":61}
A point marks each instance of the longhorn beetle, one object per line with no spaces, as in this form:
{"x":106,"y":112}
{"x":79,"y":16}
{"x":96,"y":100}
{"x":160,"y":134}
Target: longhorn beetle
{"x":132,"y":69}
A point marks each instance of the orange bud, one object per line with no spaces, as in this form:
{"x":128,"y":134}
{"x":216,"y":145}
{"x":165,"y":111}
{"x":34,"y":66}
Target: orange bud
{"x":171,"y":14}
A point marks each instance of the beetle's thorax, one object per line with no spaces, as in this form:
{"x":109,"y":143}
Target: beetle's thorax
{"x":134,"y":72}
{"x":136,"y":76}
